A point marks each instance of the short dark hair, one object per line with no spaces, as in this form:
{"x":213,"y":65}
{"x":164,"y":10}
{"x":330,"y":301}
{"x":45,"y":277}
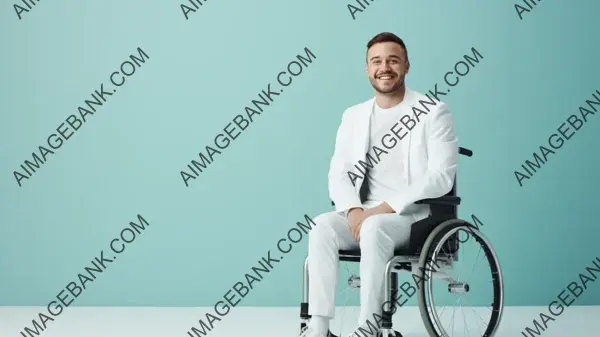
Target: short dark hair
{"x":387,"y":37}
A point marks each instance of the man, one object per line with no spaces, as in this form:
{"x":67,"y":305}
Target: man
{"x":407,"y":142}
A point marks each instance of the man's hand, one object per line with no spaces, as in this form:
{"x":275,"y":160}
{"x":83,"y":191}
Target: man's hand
{"x":356,"y":216}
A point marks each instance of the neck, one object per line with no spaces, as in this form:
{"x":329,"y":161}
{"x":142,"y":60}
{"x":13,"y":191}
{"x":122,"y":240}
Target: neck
{"x":386,"y":101}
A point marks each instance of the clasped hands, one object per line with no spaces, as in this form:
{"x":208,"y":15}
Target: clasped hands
{"x":356,"y":216}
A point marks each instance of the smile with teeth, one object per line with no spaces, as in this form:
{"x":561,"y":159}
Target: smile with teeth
{"x":385,"y":77}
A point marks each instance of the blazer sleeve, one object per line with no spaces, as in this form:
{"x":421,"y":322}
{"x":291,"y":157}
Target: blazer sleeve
{"x":442,"y":154}
{"x":341,"y":190}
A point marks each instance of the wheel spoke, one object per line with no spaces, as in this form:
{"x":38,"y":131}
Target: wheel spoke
{"x":453,"y":312}
{"x":465,"y":322}
{"x":475,"y":264}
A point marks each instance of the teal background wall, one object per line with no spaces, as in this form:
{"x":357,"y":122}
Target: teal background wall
{"x":126,"y":159}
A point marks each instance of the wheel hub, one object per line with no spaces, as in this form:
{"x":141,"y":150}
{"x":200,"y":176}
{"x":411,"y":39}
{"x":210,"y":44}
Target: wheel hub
{"x":458,"y":288}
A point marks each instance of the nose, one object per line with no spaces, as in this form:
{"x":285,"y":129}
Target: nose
{"x":385,"y":68}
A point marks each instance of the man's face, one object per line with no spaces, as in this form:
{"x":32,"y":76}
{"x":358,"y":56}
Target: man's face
{"x":386,"y":67}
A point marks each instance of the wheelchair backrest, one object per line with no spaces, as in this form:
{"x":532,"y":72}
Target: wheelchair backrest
{"x":444,"y":212}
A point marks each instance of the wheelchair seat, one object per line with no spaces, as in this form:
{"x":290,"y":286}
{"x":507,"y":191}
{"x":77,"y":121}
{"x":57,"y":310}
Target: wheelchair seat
{"x":420,"y":231}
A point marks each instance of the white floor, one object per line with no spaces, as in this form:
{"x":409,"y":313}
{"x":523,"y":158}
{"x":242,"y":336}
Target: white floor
{"x":263,"y":322}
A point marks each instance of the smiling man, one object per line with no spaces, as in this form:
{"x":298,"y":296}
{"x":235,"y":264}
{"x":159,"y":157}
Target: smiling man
{"x":375,"y":214}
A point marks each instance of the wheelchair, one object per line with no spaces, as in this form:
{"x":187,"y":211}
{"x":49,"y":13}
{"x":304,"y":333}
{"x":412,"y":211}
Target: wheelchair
{"x":434,"y":241}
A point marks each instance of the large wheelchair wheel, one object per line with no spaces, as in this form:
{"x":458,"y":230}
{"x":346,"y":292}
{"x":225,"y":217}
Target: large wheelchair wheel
{"x":440,"y":293}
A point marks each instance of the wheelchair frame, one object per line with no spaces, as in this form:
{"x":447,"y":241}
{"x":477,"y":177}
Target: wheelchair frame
{"x":443,"y":215}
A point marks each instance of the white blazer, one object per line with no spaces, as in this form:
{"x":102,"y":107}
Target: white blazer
{"x":430,"y":160}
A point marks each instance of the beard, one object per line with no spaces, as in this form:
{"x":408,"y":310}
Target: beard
{"x":387,"y":89}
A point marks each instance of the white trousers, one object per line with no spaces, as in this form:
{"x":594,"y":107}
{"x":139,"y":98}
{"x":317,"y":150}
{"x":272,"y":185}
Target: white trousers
{"x":380,"y":235}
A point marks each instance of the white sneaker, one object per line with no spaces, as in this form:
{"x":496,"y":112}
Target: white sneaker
{"x":309,"y":331}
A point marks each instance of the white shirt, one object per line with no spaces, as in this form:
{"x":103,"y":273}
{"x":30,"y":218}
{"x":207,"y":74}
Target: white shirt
{"x":386,"y":178}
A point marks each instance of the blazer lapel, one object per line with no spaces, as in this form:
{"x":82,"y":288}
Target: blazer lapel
{"x":405,"y":142}
{"x":406,"y":155}
{"x":362,"y":127}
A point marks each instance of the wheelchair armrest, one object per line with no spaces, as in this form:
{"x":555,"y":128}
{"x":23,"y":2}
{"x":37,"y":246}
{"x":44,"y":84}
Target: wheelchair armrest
{"x":446,"y":200}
